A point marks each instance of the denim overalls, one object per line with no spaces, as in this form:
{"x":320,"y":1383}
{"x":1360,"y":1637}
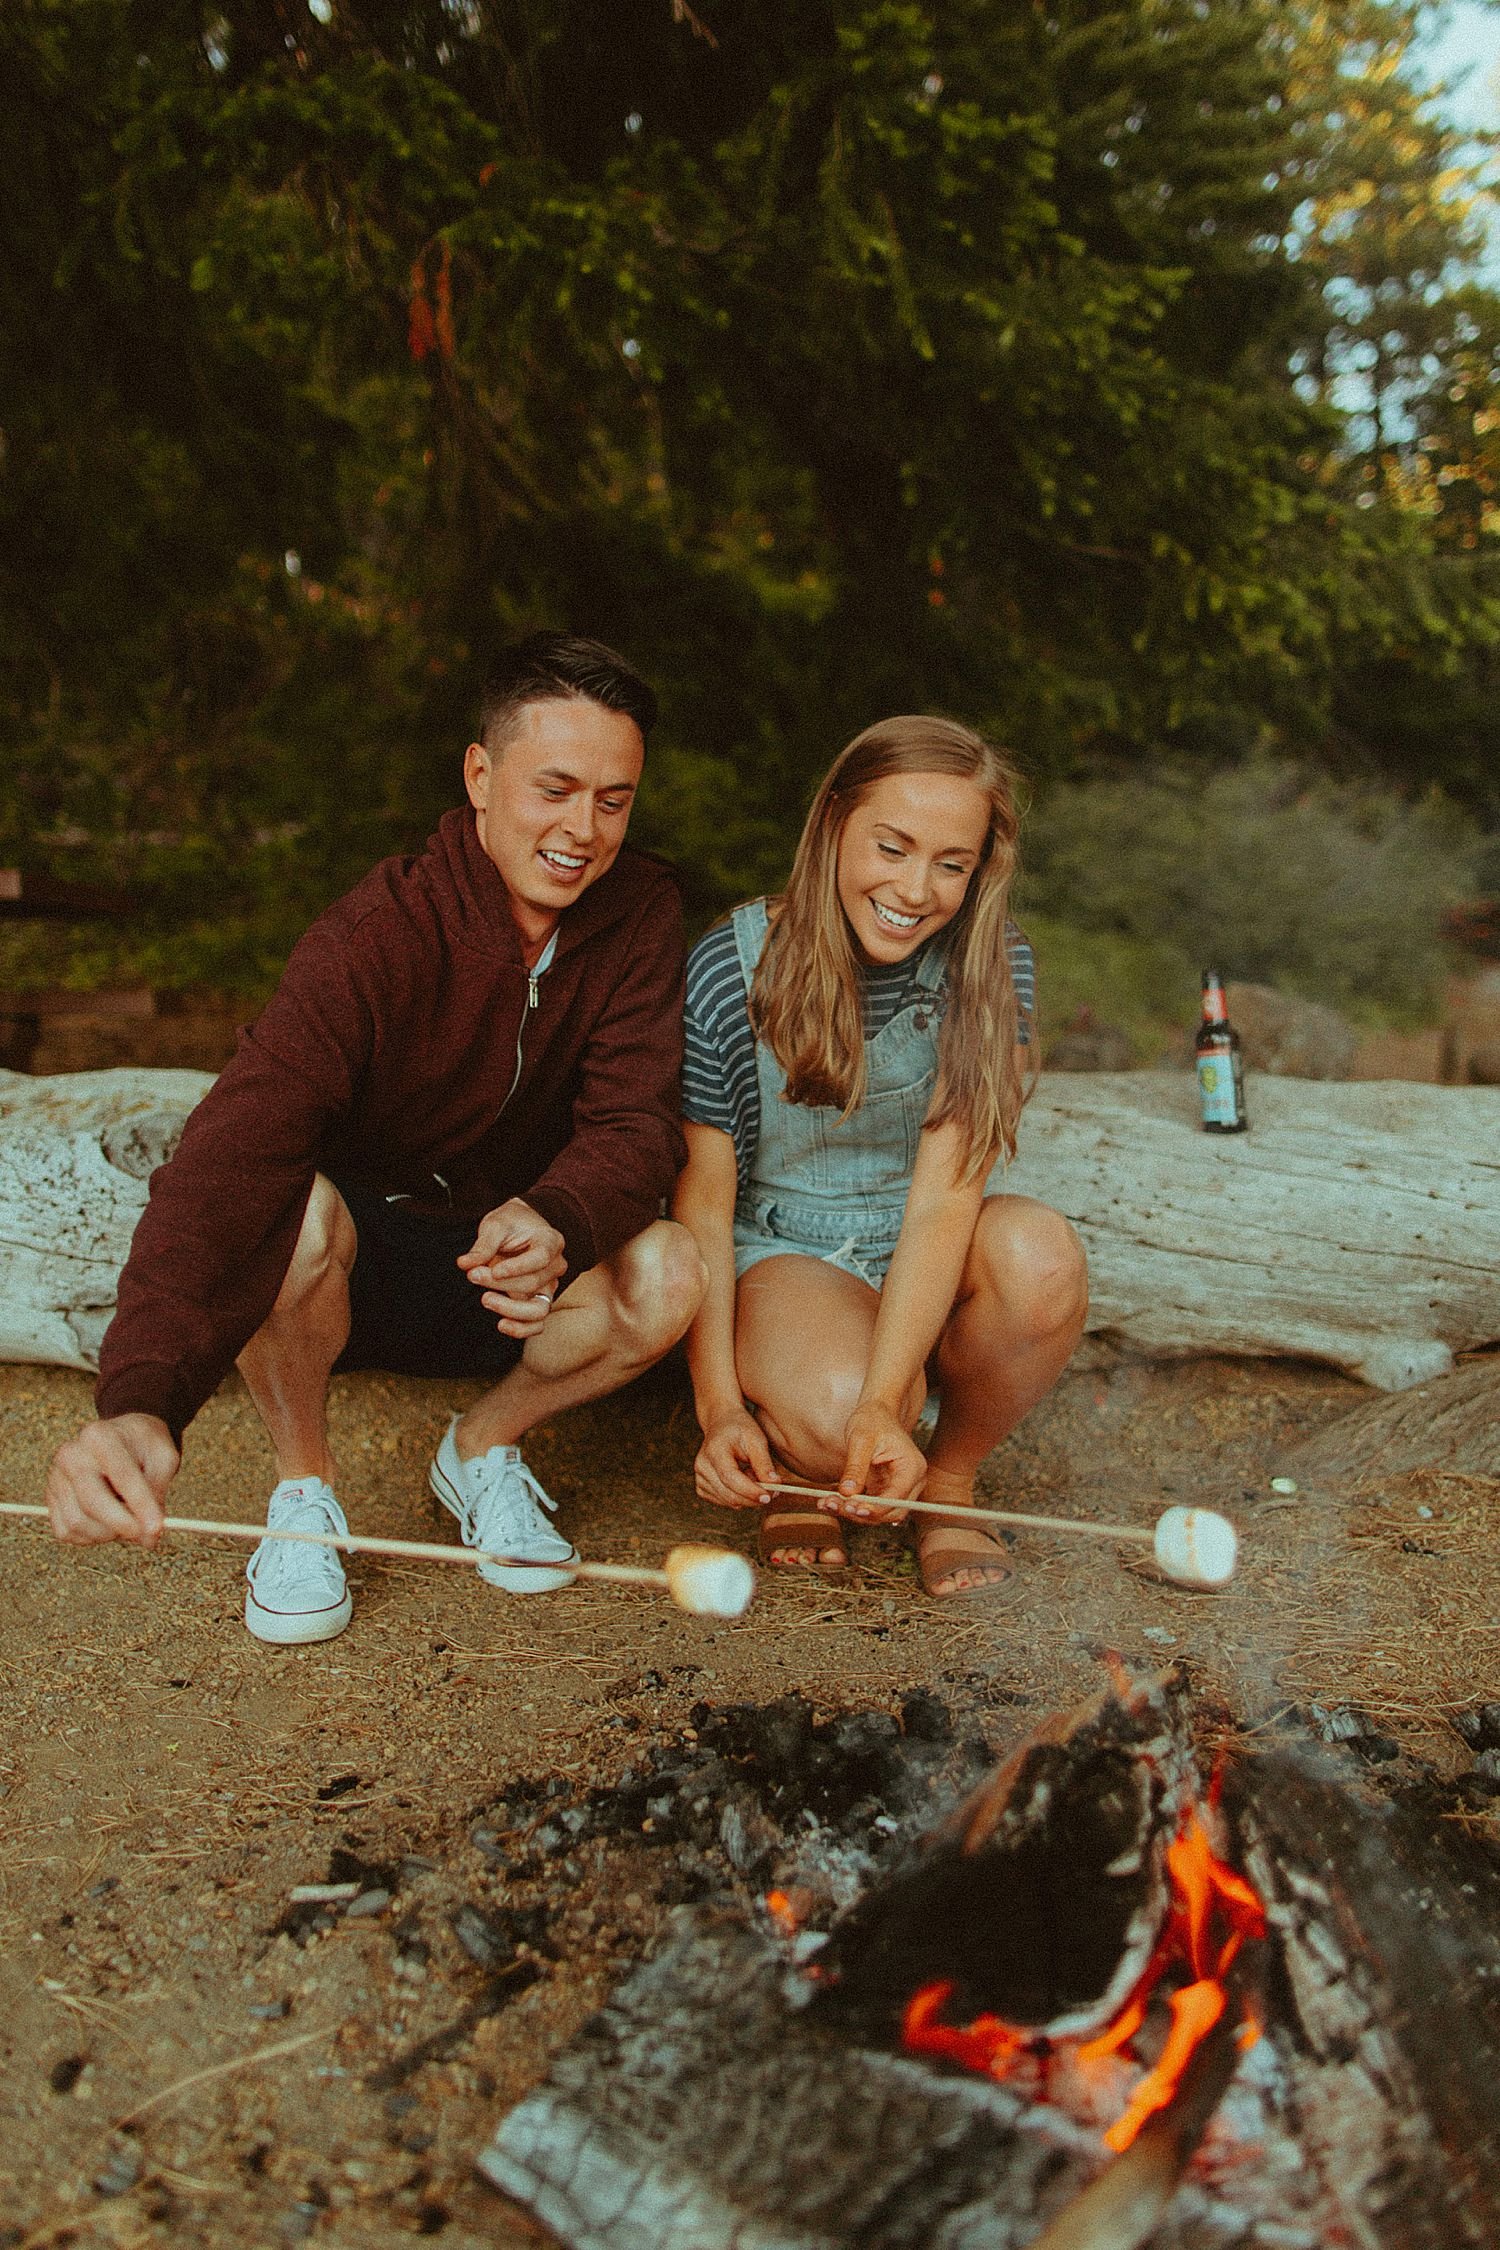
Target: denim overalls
{"x":829,"y":1189}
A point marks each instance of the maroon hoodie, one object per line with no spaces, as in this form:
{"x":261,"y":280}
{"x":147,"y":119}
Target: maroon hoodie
{"x":406,"y":1044}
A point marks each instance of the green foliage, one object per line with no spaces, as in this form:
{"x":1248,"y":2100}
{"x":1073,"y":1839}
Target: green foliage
{"x":851,"y":358}
{"x":1143,"y":985}
{"x":1265,"y":871}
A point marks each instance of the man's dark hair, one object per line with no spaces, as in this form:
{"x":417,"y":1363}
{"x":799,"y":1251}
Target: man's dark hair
{"x":551,"y":668}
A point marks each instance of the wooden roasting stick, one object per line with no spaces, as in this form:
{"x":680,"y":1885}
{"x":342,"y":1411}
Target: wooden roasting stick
{"x":709,"y":1581}
{"x":988,"y":1515}
{"x":1195,"y":1546}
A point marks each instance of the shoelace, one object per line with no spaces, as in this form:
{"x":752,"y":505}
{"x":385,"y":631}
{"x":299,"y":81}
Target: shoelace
{"x":279,"y":1567}
{"x":512,"y":1510}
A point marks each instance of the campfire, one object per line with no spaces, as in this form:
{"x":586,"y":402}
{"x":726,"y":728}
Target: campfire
{"x":1124,"y":1925}
{"x":1211,"y":1913}
{"x":1110,"y":2000}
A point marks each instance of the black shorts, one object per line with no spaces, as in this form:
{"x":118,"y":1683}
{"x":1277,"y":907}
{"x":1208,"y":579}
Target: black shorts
{"x":414,"y":1312}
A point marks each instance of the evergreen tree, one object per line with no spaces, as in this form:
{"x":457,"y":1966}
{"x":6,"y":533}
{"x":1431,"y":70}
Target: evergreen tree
{"x":833,"y":360}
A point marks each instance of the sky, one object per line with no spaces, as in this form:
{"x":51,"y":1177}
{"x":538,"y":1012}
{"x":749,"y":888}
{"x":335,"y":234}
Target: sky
{"x":1465,"y":43}
{"x":1464,"y":46}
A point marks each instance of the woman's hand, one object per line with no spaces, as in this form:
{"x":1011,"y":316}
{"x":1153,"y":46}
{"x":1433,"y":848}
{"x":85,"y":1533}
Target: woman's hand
{"x":880,"y":1457}
{"x":734,"y":1463}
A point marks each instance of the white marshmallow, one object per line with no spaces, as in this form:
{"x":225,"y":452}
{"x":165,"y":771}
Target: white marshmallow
{"x":1196,"y":1547}
{"x":710,"y":1581}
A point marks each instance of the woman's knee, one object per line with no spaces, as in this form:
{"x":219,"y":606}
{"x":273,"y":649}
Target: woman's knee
{"x":807,"y":1425}
{"x":1033,"y":1259}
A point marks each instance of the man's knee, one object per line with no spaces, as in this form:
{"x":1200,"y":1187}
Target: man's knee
{"x":658,"y":1284}
{"x":1035,"y":1262}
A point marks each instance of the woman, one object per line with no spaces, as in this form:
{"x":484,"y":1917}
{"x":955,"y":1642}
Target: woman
{"x":855,"y":1070}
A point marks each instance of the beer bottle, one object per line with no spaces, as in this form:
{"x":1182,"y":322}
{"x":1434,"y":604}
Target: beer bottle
{"x":1221,"y":1074}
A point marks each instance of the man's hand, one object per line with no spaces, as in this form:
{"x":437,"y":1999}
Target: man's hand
{"x":517,"y":1259}
{"x":734,"y":1463}
{"x":109,"y":1481}
{"x":879,"y":1457}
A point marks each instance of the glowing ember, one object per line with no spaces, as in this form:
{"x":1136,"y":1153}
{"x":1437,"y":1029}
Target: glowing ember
{"x":788,"y":1911}
{"x":1211,"y":1912}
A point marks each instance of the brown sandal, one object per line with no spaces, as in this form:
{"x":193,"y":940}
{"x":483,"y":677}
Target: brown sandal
{"x":816,"y":1528}
{"x":944,"y":1546}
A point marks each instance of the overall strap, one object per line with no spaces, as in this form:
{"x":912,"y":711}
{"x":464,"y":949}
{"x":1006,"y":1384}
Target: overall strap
{"x":750,"y":923}
{"x":933,"y":966}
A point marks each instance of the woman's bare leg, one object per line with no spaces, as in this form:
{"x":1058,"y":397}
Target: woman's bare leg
{"x":1015,"y":1323}
{"x":803,"y":1331}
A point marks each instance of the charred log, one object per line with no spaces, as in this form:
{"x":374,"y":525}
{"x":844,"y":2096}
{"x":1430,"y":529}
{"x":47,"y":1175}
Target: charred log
{"x":1390,"y":1993}
{"x":1046,"y":1888}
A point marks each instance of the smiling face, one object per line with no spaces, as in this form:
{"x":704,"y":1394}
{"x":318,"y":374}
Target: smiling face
{"x":905,"y":857}
{"x":552,"y":803}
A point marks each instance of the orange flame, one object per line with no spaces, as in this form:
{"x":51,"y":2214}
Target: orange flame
{"x":988,"y":2044}
{"x":1211,"y":1913}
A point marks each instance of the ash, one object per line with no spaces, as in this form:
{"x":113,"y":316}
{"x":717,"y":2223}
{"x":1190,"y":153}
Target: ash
{"x":755,"y":1798}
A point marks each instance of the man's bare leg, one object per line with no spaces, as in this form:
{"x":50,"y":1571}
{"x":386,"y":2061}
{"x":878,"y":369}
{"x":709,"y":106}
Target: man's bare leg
{"x":606,"y":1327}
{"x":287,"y":1362}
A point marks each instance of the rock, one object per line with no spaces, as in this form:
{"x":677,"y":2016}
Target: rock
{"x":121,"y":2168}
{"x":1085,"y":1044}
{"x":1289,"y":1037}
{"x":368,"y":1902}
{"x":487,"y":1945}
{"x":1480,"y":1726}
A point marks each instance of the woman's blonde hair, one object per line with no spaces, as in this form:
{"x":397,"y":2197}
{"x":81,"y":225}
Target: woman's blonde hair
{"x":805,"y":1001}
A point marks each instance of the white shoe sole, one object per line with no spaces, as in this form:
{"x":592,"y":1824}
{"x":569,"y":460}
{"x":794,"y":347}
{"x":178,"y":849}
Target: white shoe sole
{"x":516,"y":1578}
{"x":289,"y":1628}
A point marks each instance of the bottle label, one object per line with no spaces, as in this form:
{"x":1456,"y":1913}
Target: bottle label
{"x":1218,"y":1089}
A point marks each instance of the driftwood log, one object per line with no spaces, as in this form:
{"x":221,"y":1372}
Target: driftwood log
{"x":76,"y":1153}
{"x":1358,"y":1224}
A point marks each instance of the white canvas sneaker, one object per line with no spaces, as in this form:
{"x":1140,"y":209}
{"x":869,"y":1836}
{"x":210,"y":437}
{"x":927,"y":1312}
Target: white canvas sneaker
{"x":298,"y":1593}
{"x":499,"y":1503}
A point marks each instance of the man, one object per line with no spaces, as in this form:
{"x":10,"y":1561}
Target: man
{"x":441,"y":1150}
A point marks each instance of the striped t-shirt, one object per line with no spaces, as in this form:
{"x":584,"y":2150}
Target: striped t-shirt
{"x":719,"y":1085}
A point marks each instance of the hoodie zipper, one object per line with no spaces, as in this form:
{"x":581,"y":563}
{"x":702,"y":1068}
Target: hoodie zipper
{"x":533,"y":998}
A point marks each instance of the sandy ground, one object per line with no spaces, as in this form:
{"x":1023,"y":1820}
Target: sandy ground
{"x":165,"y":1781}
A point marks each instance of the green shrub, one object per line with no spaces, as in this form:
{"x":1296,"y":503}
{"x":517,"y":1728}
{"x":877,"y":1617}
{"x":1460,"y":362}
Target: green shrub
{"x":1146,"y":987}
{"x":1263,"y":871}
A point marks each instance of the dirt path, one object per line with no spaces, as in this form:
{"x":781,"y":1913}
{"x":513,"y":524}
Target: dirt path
{"x":165,"y":1782}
